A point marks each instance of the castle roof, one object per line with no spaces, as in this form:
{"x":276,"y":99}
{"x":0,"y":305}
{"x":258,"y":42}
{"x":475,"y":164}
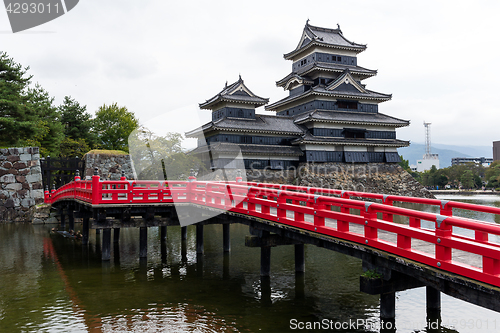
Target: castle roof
{"x":317,"y":36}
{"x":322,"y":140}
{"x":261,"y":124}
{"x":350,"y":117}
{"x":248,"y":149}
{"x":338,"y":89}
{"x":236,"y":93}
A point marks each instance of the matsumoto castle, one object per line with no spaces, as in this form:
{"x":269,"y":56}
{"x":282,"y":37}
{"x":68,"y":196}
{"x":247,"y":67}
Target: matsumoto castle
{"x":328,"y":115}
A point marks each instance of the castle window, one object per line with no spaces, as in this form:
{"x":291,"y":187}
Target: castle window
{"x":349,"y":105}
{"x":339,"y":58}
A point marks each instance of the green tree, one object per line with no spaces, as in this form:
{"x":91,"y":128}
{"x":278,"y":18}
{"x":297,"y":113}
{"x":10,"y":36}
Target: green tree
{"x":160,"y":157}
{"x":492,"y":174}
{"x":77,"y":124}
{"x":16,"y":119}
{"x":113,"y":125}
{"x":467,"y":179}
{"x":27,"y":115}
{"x":47,"y":121}
{"x":73,"y":148}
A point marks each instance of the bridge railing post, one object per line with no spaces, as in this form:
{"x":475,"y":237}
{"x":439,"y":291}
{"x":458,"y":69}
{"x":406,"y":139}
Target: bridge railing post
{"x":443,"y":231}
{"x":387,"y":216}
{"x":96,"y":188}
{"x":190,"y":187}
{"x":319,"y":206}
{"x":343,"y":225}
{"x":369,"y":215}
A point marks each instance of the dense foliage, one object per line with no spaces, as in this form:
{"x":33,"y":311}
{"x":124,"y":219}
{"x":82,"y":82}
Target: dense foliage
{"x":464,"y":176}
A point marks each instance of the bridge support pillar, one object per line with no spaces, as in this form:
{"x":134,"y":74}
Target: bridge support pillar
{"x":388,"y":306}
{"x":143,"y":242}
{"x":116,"y":235}
{"x":433,"y":301}
{"x":71,"y":219}
{"x":199,"y":239}
{"x":184,"y":233}
{"x":163,"y":234}
{"x":85,"y":230}
{"x":300,"y":264}
{"x":106,"y":244}
{"x":63,"y":218}
{"x":265,"y":261}
{"x":226,"y":238}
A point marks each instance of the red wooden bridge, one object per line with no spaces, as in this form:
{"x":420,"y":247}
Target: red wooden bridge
{"x":461,"y":252}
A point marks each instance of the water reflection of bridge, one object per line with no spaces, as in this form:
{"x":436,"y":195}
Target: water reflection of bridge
{"x":443,"y":252}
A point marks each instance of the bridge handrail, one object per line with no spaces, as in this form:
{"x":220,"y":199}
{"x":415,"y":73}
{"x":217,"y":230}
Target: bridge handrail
{"x":312,"y":209}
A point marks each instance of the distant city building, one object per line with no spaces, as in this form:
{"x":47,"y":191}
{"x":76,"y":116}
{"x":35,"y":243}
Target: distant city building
{"x":496,"y":150}
{"x":328,"y":116}
{"x":484,"y":161}
{"x":427,"y":162}
{"x":429,"y":159}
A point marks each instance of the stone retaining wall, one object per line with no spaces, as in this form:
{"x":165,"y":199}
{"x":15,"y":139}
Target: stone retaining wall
{"x":109,"y":166}
{"x":20,"y":183}
{"x":365,"y":177}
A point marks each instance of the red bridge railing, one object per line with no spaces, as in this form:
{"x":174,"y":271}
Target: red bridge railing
{"x":438,"y":240}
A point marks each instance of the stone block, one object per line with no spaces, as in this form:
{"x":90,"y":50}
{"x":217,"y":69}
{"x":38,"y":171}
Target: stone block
{"x":35,"y":170}
{"x":19,"y":165}
{"x":37,"y":186}
{"x":9,"y":203}
{"x":35,"y":150}
{"x":26,"y":186}
{"x":7,"y":165}
{"x":37,"y":194}
{"x":14,"y":186}
{"x":24,"y":172}
{"x":37,"y":220}
{"x":27,"y":203}
{"x":13,"y":158}
{"x":9,"y":178}
{"x":25,"y":157}
{"x":3,"y":172}
{"x":4,"y":151}
{"x":35,"y":157}
{"x":22,"y":193}
{"x":33,"y":178}
{"x":20,"y":179}
{"x":14,"y":151}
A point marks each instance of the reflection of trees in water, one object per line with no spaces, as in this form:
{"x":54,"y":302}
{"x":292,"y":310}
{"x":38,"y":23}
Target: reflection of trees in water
{"x":160,"y":157}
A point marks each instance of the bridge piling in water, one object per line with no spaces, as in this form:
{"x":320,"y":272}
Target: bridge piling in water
{"x":184,"y":233}
{"x":300,"y":266}
{"x":106,"y":244}
{"x":116,"y":235}
{"x":199,"y":239}
{"x":163,"y":234}
{"x":71,"y":218}
{"x":433,"y":301}
{"x":226,"y":237}
{"x":143,"y":242}
{"x":265,"y":257}
{"x":85,"y":230}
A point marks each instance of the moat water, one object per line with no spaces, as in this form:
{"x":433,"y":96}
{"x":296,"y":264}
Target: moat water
{"x":51,"y":284}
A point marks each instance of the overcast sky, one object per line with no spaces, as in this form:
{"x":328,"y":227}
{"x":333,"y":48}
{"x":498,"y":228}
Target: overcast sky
{"x":438,"y":59}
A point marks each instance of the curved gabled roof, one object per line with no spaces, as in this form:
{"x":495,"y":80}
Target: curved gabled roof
{"x":350,"y":117}
{"x":236,"y":93}
{"x":308,"y":138}
{"x":337,"y":93}
{"x":261,"y":124}
{"x":317,"y":36}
